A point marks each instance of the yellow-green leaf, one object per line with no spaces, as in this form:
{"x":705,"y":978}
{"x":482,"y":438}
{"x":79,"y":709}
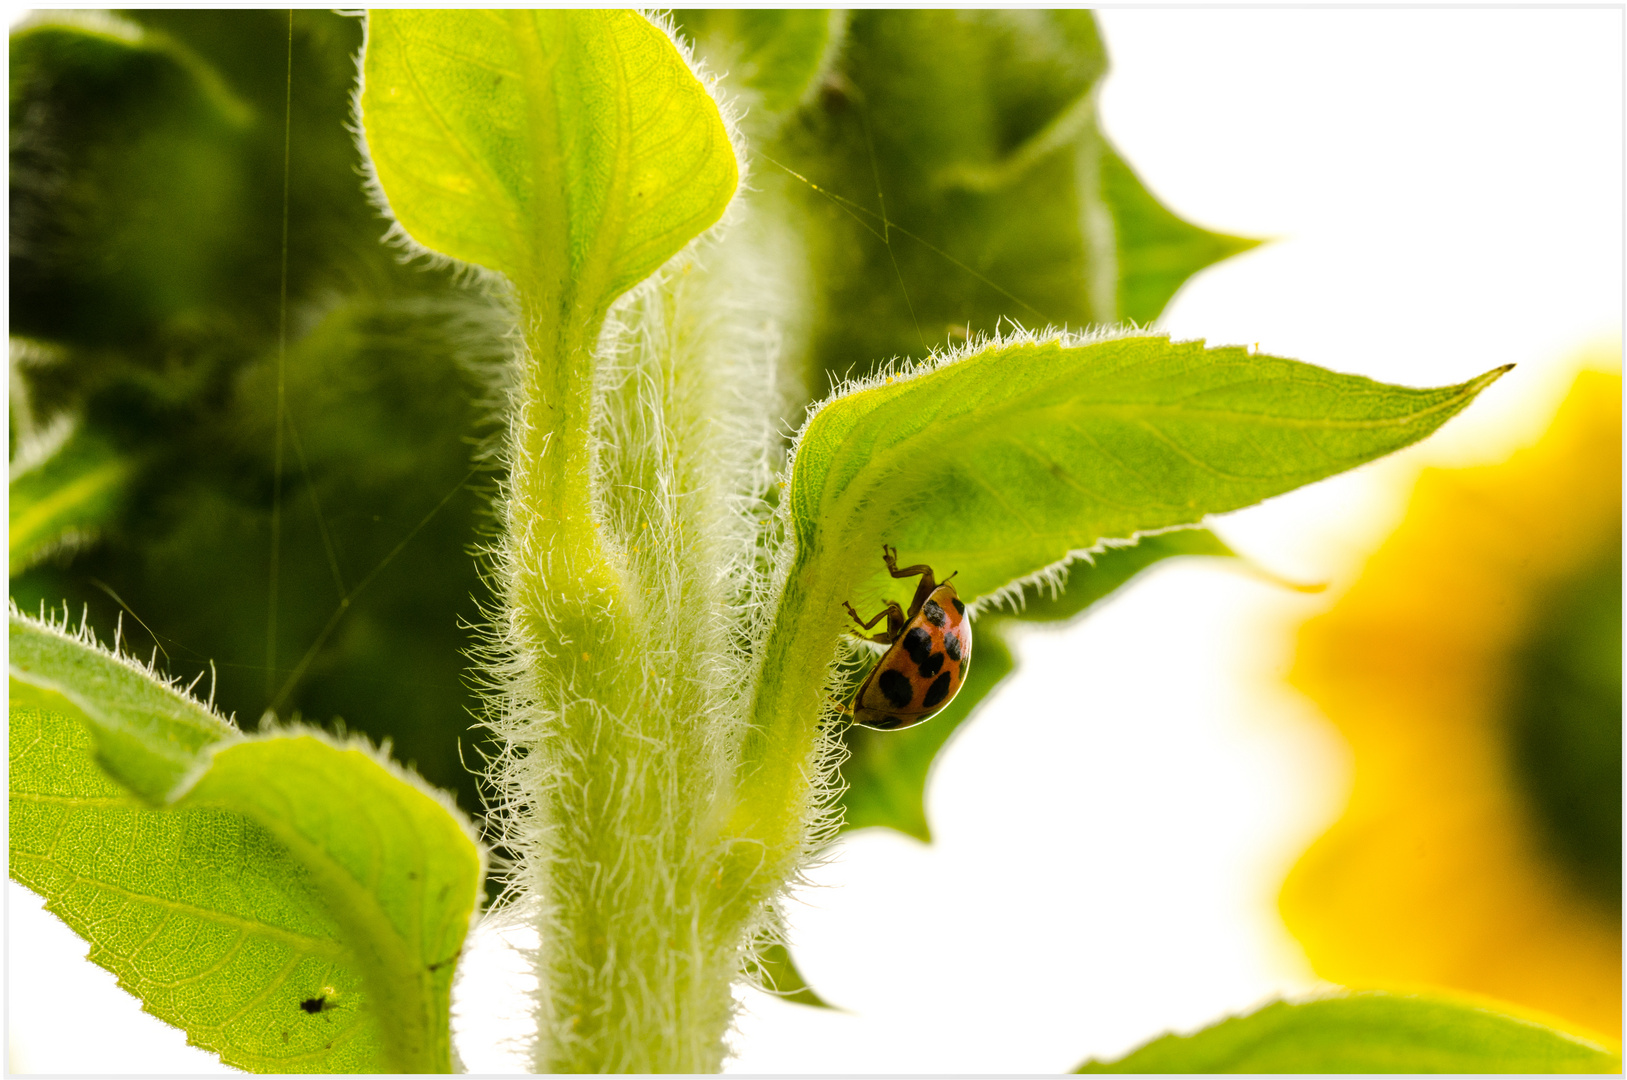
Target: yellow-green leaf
{"x":292,"y":904}
{"x":1005,"y":462}
{"x":1002,"y":463}
{"x":1368,"y":1033}
{"x":150,"y":736}
{"x":553,"y":146}
{"x":1157,"y":250}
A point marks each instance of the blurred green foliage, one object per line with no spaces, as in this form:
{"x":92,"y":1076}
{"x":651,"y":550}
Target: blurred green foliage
{"x":147,"y":217}
{"x":62,"y":494}
{"x":956,"y":178}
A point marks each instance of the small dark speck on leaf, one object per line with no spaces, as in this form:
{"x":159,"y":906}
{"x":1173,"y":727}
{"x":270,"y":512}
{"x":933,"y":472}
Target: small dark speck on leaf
{"x":316,"y":1004}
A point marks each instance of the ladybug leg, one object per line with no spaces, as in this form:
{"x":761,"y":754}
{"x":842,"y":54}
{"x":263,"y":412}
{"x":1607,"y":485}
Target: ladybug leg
{"x":895,"y":623}
{"x":889,"y":555}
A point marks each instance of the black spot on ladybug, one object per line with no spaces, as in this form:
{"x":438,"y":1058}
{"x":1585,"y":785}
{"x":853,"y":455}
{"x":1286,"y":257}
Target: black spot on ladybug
{"x":315,"y":1005}
{"x":951,"y":645}
{"x":918,"y":643}
{"x":933,"y":614}
{"x":937,"y":691}
{"x":959,"y":607}
{"x":933,"y":665}
{"x":896,"y":688}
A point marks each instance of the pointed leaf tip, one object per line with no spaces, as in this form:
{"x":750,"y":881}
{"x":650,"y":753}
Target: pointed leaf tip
{"x":1005,"y":461}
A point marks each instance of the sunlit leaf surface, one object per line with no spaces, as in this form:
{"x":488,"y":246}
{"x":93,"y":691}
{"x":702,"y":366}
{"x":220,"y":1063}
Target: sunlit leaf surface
{"x":1368,"y":1033}
{"x":298,"y":907}
{"x":547,"y":145}
{"x":1002,"y":463}
{"x":150,"y":736}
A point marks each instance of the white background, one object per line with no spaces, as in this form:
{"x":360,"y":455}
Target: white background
{"x":1111,"y":830}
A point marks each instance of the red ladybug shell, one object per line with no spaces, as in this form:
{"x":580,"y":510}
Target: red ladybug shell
{"x":922,"y":670}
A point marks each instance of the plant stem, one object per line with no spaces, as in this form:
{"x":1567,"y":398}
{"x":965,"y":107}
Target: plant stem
{"x":636,"y":965}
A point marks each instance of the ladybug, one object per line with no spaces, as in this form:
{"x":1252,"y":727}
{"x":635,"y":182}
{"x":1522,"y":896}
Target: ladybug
{"x":931,"y":649}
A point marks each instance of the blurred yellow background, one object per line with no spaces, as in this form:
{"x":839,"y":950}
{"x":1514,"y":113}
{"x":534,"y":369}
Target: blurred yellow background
{"x":1475,"y":668}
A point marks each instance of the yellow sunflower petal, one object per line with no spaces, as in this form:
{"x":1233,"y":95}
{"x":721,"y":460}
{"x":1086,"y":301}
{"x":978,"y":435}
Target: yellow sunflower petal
{"x":1441,"y":872}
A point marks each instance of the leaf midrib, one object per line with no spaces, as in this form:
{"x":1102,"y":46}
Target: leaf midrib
{"x":314,"y":946}
{"x":1146,"y":414}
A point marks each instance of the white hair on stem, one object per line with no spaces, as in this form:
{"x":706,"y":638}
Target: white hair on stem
{"x":688,"y":376}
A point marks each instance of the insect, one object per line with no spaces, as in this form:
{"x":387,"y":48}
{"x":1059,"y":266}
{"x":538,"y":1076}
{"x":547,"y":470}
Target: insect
{"x":931,"y":649}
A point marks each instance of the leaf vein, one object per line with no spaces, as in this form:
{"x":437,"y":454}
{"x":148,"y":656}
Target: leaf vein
{"x":317,"y":946}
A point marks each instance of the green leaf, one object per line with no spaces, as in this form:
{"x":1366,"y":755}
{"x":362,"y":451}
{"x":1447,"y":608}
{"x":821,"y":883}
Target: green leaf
{"x":781,"y":977}
{"x":886,"y":771}
{"x":1108,"y":570}
{"x":299,"y":907}
{"x":199,"y":913}
{"x":396,"y":869}
{"x":99,"y":43}
{"x":64,"y":498}
{"x":1368,"y":1033}
{"x":1157,"y":251}
{"x":986,"y":94}
{"x":1057,"y":447}
{"x":150,"y":737}
{"x":775,"y":57}
{"x":998,"y":465}
{"x":552,"y":146}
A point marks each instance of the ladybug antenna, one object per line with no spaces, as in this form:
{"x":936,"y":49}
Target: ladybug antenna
{"x":950,"y":578}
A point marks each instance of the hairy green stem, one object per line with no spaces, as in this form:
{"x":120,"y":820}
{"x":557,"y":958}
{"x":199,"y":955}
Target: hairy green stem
{"x":629,"y":714}
{"x":779,"y":773}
